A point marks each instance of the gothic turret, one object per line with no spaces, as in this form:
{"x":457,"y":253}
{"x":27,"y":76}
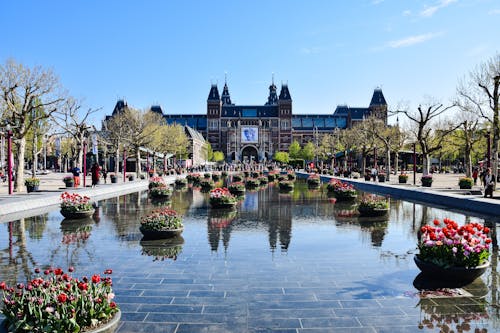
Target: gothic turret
{"x":284,"y":93}
{"x":378,"y":105}
{"x":226,"y":99}
{"x":120,"y":106}
{"x":214,"y":94}
{"x":273,"y":97}
{"x":378,"y":98}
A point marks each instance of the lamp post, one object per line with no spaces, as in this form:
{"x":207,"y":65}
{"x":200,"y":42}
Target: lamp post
{"x":488,"y":153}
{"x":45,"y":152}
{"x":9,"y":157}
{"x":414,"y":164}
{"x":84,"y":163}
{"x":124,"y":164}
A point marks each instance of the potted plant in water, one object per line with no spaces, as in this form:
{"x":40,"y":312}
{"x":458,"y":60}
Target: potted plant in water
{"x":373,"y":205}
{"x":453,"y":253}
{"x":342,"y":191}
{"x":57,"y":302}
{"x":32,"y":184}
{"x":161,"y":223}
{"x":314,"y":181}
{"x":237,"y":188}
{"x":75,"y":206}
{"x":465,"y":183}
{"x":69,"y":181}
{"x":222,"y":198}
{"x":160,"y":192}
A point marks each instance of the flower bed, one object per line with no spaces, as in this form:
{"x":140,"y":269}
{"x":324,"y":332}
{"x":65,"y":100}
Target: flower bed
{"x":156,"y":182}
{"x":221,"y":197}
{"x":465,"y":183}
{"x":238,"y":177}
{"x":161,"y":223}
{"x":236,"y":188}
{"x":341,"y":190}
{"x":403,"y":178}
{"x":314,"y":180}
{"x":448,"y":245}
{"x":207,"y":184}
{"x":373,"y":205}
{"x":426,"y":180}
{"x":74,"y":202}
{"x":252,"y":183}
{"x":160,"y":191}
{"x":57,"y":302}
{"x":286,"y":185}
{"x":180,"y":182}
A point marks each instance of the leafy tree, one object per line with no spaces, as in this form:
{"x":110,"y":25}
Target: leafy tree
{"x":294,"y":150}
{"x":24,"y":90}
{"x":117,"y":132}
{"x":309,"y":151}
{"x":173,"y":140}
{"x":218,"y":156}
{"x":281,"y":157}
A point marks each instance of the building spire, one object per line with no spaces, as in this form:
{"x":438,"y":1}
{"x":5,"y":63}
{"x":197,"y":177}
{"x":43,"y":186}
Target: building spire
{"x":225,"y":98}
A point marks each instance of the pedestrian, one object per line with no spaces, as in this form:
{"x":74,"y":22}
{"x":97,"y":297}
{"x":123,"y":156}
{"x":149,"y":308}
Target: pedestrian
{"x":104,"y":174}
{"x":76,"y":176}
{"x":95,"y":174}
{"x":374,"y":173}
{"x":474,"y":176}
{"x":489,"y":183}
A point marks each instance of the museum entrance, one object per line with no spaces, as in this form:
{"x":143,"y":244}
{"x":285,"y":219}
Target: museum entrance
{"x":249,"y":154}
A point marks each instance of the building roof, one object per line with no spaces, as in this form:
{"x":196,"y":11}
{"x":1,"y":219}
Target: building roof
{"x":193,"y":134}
{"x":119,"y":107}
{"x":156,"y":109}
{"x":273,"y":97}
{"x":378,"y":98}
{"x":226,"y":99}
{"x":249,"y":111}
{"x":284,"y":93}
{"x":214,"y":93}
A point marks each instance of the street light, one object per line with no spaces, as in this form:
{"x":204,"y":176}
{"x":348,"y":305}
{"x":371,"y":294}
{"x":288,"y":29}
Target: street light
{"x":488,"y":138}
{"x":9,"y":157}
{"x":124,"y":164}
{"x":414,"y":163}
{"x":84,"y":162}
{"x":45,"y":152}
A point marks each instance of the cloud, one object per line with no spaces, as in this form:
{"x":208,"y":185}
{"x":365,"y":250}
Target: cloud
{"x":377,"y":2}
{"x":494,"y":12}
{"x":431,"y":10}
{"x":412,"y":40}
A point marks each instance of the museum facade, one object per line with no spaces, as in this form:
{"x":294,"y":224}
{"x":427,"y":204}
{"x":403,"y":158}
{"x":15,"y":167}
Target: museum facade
{"x":256,"y":132}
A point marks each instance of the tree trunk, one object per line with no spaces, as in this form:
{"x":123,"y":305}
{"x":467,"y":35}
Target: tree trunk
{"x":19,"y":164}
{"x":468,"y":161}
{"x":138,"y":162}
{"x":117,"y":161}
{"x":396,"y":162}
{"x":425,"y":163}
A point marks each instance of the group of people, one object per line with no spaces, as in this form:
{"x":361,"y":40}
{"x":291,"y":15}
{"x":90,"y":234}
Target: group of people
{"x":96,"y":171}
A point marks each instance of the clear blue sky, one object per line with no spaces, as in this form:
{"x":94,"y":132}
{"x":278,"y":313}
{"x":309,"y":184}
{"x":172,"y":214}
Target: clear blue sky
{"x":330,"y":52}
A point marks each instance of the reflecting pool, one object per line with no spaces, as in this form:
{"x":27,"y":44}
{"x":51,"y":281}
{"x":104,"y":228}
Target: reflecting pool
{"x":278,"y":262}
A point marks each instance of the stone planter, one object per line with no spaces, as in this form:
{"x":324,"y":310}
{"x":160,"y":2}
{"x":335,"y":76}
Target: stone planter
{"x":454,"y":275}
{"x":77,"y":215}
{"x":381,"y":178}
{"x":160,"y":234}
{"x":403,"y":180}
{"x":31,"y":188}
{"x":426,"y":182}
{"x":113,"y":179}
{"x":69,"y":184}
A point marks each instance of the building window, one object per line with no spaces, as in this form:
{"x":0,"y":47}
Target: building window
{"x":213,"y":124}
{"x":284,"y":125}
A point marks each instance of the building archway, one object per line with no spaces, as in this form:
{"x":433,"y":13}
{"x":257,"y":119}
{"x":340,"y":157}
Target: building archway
{"x":249,"y":154}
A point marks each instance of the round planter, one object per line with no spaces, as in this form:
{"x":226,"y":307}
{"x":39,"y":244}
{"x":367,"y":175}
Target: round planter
{"x":157,"y":195}
{"x":403,"y":180}
{"x":237,"y":192}
{"x":454,"y":275}
{"x":372,"y":211}
{"x":465,"y":187}
{"x":70,"y":184}
{"x":223,"y":205}
{"x":160,"y":234}
{"x":344,"y":197}
{"x":77,"y":215}
{"x":31,"y":188}
{"x":108,"y":327}
{"x":113,"y":180}
{"x":162,"y":249}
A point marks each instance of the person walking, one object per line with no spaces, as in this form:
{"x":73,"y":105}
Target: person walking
{"x":474,"y":175}
{"x":95,"y":174}
{"x":104,"y":174}
{"x":489,"y":183}
{"x":76,"y":176}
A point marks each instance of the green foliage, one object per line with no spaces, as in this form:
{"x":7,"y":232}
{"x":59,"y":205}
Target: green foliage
{"x":218,"y":156}
{"x":294,"y":150}
{"x":309,"y":151}
{"x":297,"y":163}
{"x":281,"y":157}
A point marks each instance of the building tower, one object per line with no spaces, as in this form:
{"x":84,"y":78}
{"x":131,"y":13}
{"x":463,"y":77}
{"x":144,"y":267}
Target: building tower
{"x":285,"y":118}
{"x":214,"y":106}
{"x":378,"y":105}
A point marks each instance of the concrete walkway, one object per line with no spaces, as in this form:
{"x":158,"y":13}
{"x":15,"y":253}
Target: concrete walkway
{"x":47,"y":198}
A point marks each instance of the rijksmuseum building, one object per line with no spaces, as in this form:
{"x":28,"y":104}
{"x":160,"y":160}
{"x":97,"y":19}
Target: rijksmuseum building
{"x":256,"y":132}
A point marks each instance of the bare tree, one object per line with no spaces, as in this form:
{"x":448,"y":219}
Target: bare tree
{"x":117,"y":131}
{"x":481,"y":94}
{"x":429,"y":139}
{"x":74,"y":122}
{"x":24,"y":90}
